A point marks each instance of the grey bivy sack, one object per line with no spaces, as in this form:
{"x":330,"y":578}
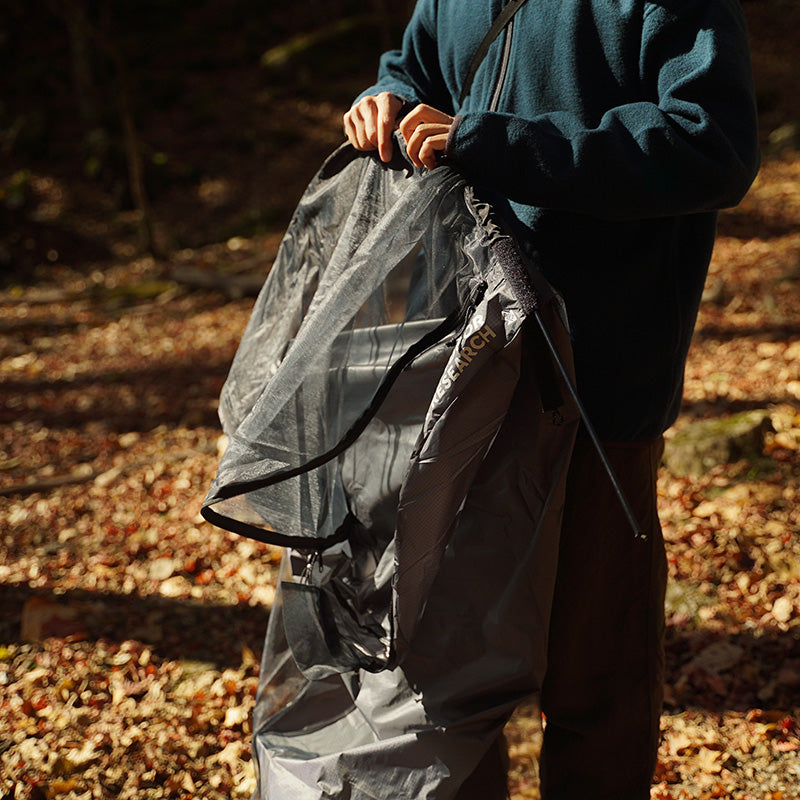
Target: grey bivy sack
{"x":397,"y":421}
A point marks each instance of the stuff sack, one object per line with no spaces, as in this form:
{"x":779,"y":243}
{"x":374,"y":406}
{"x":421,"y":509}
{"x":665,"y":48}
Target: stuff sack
{"x":375,"y":372}
{"x":397,"y":421}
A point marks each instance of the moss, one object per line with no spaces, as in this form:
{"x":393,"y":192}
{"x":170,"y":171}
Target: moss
{"x":708,"y":443}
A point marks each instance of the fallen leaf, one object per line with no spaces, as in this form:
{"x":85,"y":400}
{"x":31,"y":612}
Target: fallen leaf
{"x":709,"y":761}
{"x":783,"y":609}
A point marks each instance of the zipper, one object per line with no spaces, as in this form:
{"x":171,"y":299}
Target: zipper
{"x":501,"y":77}
{"x":502,"y":21}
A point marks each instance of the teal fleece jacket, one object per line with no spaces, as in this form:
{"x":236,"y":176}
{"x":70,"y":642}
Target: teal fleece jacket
{"x":608,"y":132}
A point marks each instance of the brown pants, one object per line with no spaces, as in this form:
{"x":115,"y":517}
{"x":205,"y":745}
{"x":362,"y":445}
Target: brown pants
{"x":603,"y":689}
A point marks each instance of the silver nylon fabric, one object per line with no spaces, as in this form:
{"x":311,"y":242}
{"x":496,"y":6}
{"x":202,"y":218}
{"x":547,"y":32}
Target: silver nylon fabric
{"x":401,"y":641}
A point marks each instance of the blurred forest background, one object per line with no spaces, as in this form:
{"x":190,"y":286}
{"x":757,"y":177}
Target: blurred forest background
{"x":163,"y":124}
{"x":151,"y":154}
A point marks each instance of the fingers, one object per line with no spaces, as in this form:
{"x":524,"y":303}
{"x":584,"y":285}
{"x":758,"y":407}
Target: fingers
{"x":356,"y":122}
{"x":388,"y":107}
{"x":425,"y":143}
{"x":420,"y":115}
{"x":425,"y":130}
{"x":369,"y":124}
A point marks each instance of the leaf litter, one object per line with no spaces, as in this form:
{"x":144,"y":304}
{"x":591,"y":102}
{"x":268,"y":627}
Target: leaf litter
{"x":131,"y":631}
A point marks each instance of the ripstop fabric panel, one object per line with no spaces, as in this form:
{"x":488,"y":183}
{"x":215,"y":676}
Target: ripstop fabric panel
{"x":360,"y":272}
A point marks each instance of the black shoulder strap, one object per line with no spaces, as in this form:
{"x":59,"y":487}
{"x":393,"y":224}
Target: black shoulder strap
{"x":500,"y":22}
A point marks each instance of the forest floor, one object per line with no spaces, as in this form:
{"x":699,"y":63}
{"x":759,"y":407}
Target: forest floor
{"x":131,"y":631}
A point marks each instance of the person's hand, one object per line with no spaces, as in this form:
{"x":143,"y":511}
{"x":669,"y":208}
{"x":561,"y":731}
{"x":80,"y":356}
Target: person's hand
{"x":369,"y":124}
{"x":425,"y":130}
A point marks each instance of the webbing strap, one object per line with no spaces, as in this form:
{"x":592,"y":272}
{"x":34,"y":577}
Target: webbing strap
{"x":451,"y":323}
{"x":500,"y":22}
{"x":447,"y":326}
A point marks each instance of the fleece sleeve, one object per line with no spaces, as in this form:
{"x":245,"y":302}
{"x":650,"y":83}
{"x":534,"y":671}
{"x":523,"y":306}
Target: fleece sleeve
{"x":690,"y":146}
{"x":413,"y":72}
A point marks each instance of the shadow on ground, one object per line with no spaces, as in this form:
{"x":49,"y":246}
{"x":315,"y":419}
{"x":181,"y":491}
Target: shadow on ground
{"x":175,"y":629}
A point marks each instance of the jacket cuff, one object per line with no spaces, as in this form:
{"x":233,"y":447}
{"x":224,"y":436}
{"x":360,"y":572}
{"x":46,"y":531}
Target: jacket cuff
{"x":451,"y":137}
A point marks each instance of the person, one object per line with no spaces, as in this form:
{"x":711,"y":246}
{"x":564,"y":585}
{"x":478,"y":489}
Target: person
{"x":609,"y":133}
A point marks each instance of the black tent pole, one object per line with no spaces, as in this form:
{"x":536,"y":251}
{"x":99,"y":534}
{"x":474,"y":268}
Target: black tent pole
{"x":638,"y":533}
{"x":518,"y":274}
